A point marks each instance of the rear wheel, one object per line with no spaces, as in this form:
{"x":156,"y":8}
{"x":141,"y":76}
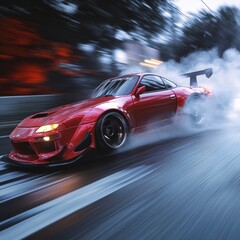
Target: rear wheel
{"x":196,"y":112}
{"x":111,"y":131}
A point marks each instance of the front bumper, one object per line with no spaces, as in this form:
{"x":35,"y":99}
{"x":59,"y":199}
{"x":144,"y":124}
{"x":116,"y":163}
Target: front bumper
{"x":29,"y":147}
{"x":6,"y":159}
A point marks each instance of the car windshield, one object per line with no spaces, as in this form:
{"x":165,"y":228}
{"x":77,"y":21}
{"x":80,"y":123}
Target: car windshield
{"x":116,"y":87}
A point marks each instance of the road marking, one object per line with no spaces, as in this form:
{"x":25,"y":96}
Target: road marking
{"x":59,"y":208}
{"x":27,"y":187}
{"x":6,"y":136}
{"x":2,"y":164}
{"x":31,"y":96}
{"x":1,"y":156}
{"x":3,"y":125}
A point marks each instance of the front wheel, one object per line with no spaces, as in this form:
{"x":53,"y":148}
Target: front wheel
{"x":111,"y":131}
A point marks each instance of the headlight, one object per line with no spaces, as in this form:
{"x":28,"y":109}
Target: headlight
{"x":47,"y":128}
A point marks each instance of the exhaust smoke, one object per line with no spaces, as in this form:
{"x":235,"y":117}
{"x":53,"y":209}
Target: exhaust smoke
{"x":222,"y":107}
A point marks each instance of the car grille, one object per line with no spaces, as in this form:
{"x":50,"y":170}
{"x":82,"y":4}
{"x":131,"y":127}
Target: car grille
{"x":45,"y":147}
{"x":23,"y":148}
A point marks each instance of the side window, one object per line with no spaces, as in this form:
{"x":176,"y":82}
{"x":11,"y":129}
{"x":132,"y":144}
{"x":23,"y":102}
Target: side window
{"x":168,"y":83}
{"x":152,"y":83}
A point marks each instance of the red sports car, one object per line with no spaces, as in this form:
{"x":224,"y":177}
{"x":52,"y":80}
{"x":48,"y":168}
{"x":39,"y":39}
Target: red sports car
{"x":117,"y":107}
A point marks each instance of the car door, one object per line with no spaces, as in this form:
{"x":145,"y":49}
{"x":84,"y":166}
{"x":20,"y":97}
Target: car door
{"x":156,"y":104}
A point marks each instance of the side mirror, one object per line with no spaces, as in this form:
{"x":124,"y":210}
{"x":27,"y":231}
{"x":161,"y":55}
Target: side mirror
{"x":140,"y":91}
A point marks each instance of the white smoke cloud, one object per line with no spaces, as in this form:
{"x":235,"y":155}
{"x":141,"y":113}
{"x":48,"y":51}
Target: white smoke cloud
{"x":226,"y":70}
{"x":224,"y":83}
{"x":224,"y":105}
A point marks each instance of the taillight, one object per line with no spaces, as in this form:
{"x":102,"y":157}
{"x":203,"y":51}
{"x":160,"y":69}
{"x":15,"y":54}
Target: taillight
{"x":207,"y":91}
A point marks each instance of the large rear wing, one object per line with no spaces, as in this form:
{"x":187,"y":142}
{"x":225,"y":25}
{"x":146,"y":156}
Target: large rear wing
{"x":193,"y":75}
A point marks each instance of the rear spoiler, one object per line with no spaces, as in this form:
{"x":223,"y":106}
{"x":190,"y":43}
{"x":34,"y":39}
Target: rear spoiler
{"x":193,"y":75}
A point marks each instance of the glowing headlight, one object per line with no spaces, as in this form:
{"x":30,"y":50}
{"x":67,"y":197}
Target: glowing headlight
{"x":46,"y":138}
{"x":47,"y":128}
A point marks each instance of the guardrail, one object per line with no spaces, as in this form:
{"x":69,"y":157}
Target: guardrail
{"x":17,"y":107}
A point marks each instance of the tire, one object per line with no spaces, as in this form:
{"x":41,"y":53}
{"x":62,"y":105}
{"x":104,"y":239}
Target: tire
{"x":111,"y":131}
{"x":196,"y":112}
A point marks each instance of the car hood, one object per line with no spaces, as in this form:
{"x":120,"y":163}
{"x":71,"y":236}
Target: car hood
{"x":73,"y":112}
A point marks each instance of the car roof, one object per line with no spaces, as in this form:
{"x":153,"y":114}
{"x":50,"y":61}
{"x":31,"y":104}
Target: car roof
{"x":137,"y":74}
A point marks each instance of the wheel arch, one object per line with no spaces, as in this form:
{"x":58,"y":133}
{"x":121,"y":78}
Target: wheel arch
{"x":192,"y":97}
{"x":127,"y":120}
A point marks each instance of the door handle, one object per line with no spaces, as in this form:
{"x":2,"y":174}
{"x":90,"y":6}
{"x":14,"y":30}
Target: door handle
{"x":172,"y":96}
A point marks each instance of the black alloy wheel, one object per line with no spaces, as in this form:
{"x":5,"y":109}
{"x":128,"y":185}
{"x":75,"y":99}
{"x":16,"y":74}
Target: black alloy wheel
{"x":111,"y":131}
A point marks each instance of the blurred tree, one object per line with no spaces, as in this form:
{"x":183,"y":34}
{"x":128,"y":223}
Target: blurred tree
{"x":46,"y":28}
{"x":97,"y":21}
{"x":171,"y":32}
{"x":206,"y":30}
{"x":228,"y":25}
{"x":198,"y":34}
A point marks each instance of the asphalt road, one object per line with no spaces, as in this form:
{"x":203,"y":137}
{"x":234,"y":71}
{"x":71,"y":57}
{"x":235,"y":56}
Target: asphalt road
{"x":180,"y":186}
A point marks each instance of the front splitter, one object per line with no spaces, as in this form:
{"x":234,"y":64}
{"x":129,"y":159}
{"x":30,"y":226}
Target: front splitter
{"x":5,"y":158}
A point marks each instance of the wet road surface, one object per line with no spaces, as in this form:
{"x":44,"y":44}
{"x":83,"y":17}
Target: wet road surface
{"x":182,"y":187}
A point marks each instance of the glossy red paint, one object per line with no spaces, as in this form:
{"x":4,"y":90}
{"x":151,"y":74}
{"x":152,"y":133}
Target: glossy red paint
{"x":154,"y":107}
{"x":77,"y":122}
{"x":184,"y":93}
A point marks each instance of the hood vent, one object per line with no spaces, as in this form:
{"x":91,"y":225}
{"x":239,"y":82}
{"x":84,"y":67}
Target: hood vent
{"x":41,"y":115}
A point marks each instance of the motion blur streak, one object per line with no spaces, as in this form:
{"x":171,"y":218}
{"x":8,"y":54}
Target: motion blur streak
{"x":193,"y":193}
{"x":72,"y":202}
{"x":4,"y":136}
{"x":29,"y":76}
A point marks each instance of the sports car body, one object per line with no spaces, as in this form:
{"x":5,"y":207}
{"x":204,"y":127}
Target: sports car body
{"x":117,"y":107}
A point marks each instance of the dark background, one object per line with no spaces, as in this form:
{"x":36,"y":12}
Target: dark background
{"x":59,"y":46}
